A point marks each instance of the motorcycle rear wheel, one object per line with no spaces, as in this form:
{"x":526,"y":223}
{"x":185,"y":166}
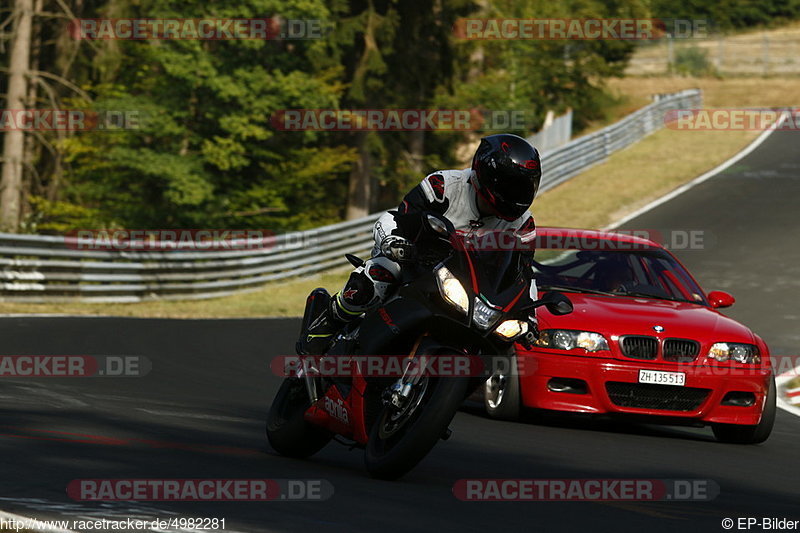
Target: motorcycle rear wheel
{"x":287,"y":430}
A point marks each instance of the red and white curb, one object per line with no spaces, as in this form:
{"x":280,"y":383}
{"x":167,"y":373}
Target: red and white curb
{"x":788,"y":398}
{"x":793,"y":396}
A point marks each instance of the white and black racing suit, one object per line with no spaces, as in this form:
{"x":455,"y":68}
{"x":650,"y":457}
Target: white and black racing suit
{"x":447,"y":192}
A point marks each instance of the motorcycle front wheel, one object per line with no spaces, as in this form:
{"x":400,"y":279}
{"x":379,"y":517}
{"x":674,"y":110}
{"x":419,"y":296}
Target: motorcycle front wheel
{"x":400,"y":439}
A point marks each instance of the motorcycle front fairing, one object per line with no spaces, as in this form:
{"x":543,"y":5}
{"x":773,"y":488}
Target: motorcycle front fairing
{"x":493,"y":277}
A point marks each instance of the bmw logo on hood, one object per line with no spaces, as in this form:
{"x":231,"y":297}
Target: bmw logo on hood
{"x":658,"y":329}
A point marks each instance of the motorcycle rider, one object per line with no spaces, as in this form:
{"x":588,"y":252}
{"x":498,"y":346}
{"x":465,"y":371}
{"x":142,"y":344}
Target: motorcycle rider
{"x":494,"y":194}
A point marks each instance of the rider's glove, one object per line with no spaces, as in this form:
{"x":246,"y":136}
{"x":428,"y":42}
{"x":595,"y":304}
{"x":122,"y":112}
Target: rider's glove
{"x":398,"y":249}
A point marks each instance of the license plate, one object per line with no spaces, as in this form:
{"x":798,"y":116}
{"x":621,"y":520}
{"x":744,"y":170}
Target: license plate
{"x":657,"y":377}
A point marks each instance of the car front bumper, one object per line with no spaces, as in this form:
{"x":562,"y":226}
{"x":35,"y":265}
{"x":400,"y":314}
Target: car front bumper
{"x":611,"y":386}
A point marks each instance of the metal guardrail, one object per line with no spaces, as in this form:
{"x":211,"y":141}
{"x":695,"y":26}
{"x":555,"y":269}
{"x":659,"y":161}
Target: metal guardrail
{"x":556,"y":132}
{"x":579,"y":154}
{"x":38,"y":268}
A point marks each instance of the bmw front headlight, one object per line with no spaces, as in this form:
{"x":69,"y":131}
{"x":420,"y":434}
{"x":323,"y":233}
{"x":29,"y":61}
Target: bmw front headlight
{"x":452,"y":290}
{"x":735,"y":351}
{"x":567,"y":339}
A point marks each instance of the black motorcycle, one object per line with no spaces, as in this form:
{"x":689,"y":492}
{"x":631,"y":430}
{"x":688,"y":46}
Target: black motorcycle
{"x":455,"y":301}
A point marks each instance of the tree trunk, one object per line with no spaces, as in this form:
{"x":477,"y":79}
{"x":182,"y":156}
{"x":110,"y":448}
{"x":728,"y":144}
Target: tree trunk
{"x":359,"y":193}
{"x":31,"y":152}
{"x":416,"y":149}
{"x":14,"y":140}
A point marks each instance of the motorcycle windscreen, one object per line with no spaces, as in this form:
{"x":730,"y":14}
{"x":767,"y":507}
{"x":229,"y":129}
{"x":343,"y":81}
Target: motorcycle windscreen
{"x":499,"y":274}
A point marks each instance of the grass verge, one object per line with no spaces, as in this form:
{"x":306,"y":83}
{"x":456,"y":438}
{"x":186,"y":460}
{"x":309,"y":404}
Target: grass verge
{"x":629,"y":179}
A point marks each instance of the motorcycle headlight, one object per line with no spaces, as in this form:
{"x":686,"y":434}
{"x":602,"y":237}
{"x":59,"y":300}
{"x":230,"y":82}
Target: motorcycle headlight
{"x":511,"y":329}
{"x":741,"y":353}
{"x":483,"y":315}
{"x":452,"y":290}
{"x":567,"y":339}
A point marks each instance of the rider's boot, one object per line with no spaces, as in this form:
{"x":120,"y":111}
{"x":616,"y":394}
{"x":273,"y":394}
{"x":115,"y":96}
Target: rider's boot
{"x":324,"y":317}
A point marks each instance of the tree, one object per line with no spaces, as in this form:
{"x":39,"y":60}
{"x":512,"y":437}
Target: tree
{"x":14,"y":139}
{"x":204,"y":152}
{"x":396,"y":55}
{"x":535,"y":76}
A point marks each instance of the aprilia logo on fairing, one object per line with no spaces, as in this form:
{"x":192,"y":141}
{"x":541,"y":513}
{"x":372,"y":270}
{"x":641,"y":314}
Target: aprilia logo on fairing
{"x":337,"y":410}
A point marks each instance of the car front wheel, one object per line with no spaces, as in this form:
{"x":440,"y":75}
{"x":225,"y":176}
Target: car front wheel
{"x":501,"y":394}
{"x":738,"y":434}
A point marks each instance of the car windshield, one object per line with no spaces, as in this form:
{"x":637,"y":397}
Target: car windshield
{"x":642,"y":273}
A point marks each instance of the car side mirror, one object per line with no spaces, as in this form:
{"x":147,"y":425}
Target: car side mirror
{"x":720,"y":299}
{"x":557,"y":303}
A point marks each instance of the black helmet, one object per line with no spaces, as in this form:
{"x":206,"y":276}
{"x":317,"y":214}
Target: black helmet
{"x":507,"y":174}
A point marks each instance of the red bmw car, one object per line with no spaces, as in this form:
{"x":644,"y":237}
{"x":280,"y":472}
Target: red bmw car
{"x":644,"y":339}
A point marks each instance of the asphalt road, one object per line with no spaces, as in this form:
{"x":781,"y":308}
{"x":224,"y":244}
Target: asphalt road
{"x":200,"y":412}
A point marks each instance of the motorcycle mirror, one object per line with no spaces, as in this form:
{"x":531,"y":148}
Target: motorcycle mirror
{"x":438,"y":225}
{"x":557,"y":303}
{"x":355,"y":260}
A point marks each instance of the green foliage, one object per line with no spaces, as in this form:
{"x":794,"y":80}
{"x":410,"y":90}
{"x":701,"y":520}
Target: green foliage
{"x":204,"y":153}
{"x":728,"y":14}
{"x":534,"y":76}
{"x":57,"y":217}
{"x":692,"y":61}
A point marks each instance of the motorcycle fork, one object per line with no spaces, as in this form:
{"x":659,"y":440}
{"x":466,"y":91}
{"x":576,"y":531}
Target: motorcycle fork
{"x":310,"y":380}
{"x":400,"y":391}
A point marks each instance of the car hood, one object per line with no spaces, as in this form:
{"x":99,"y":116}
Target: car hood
{"x":638,"y":316}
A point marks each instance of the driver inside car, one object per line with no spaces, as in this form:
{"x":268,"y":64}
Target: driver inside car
{"x":494,"y":194}
{"x":613,"y":275}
